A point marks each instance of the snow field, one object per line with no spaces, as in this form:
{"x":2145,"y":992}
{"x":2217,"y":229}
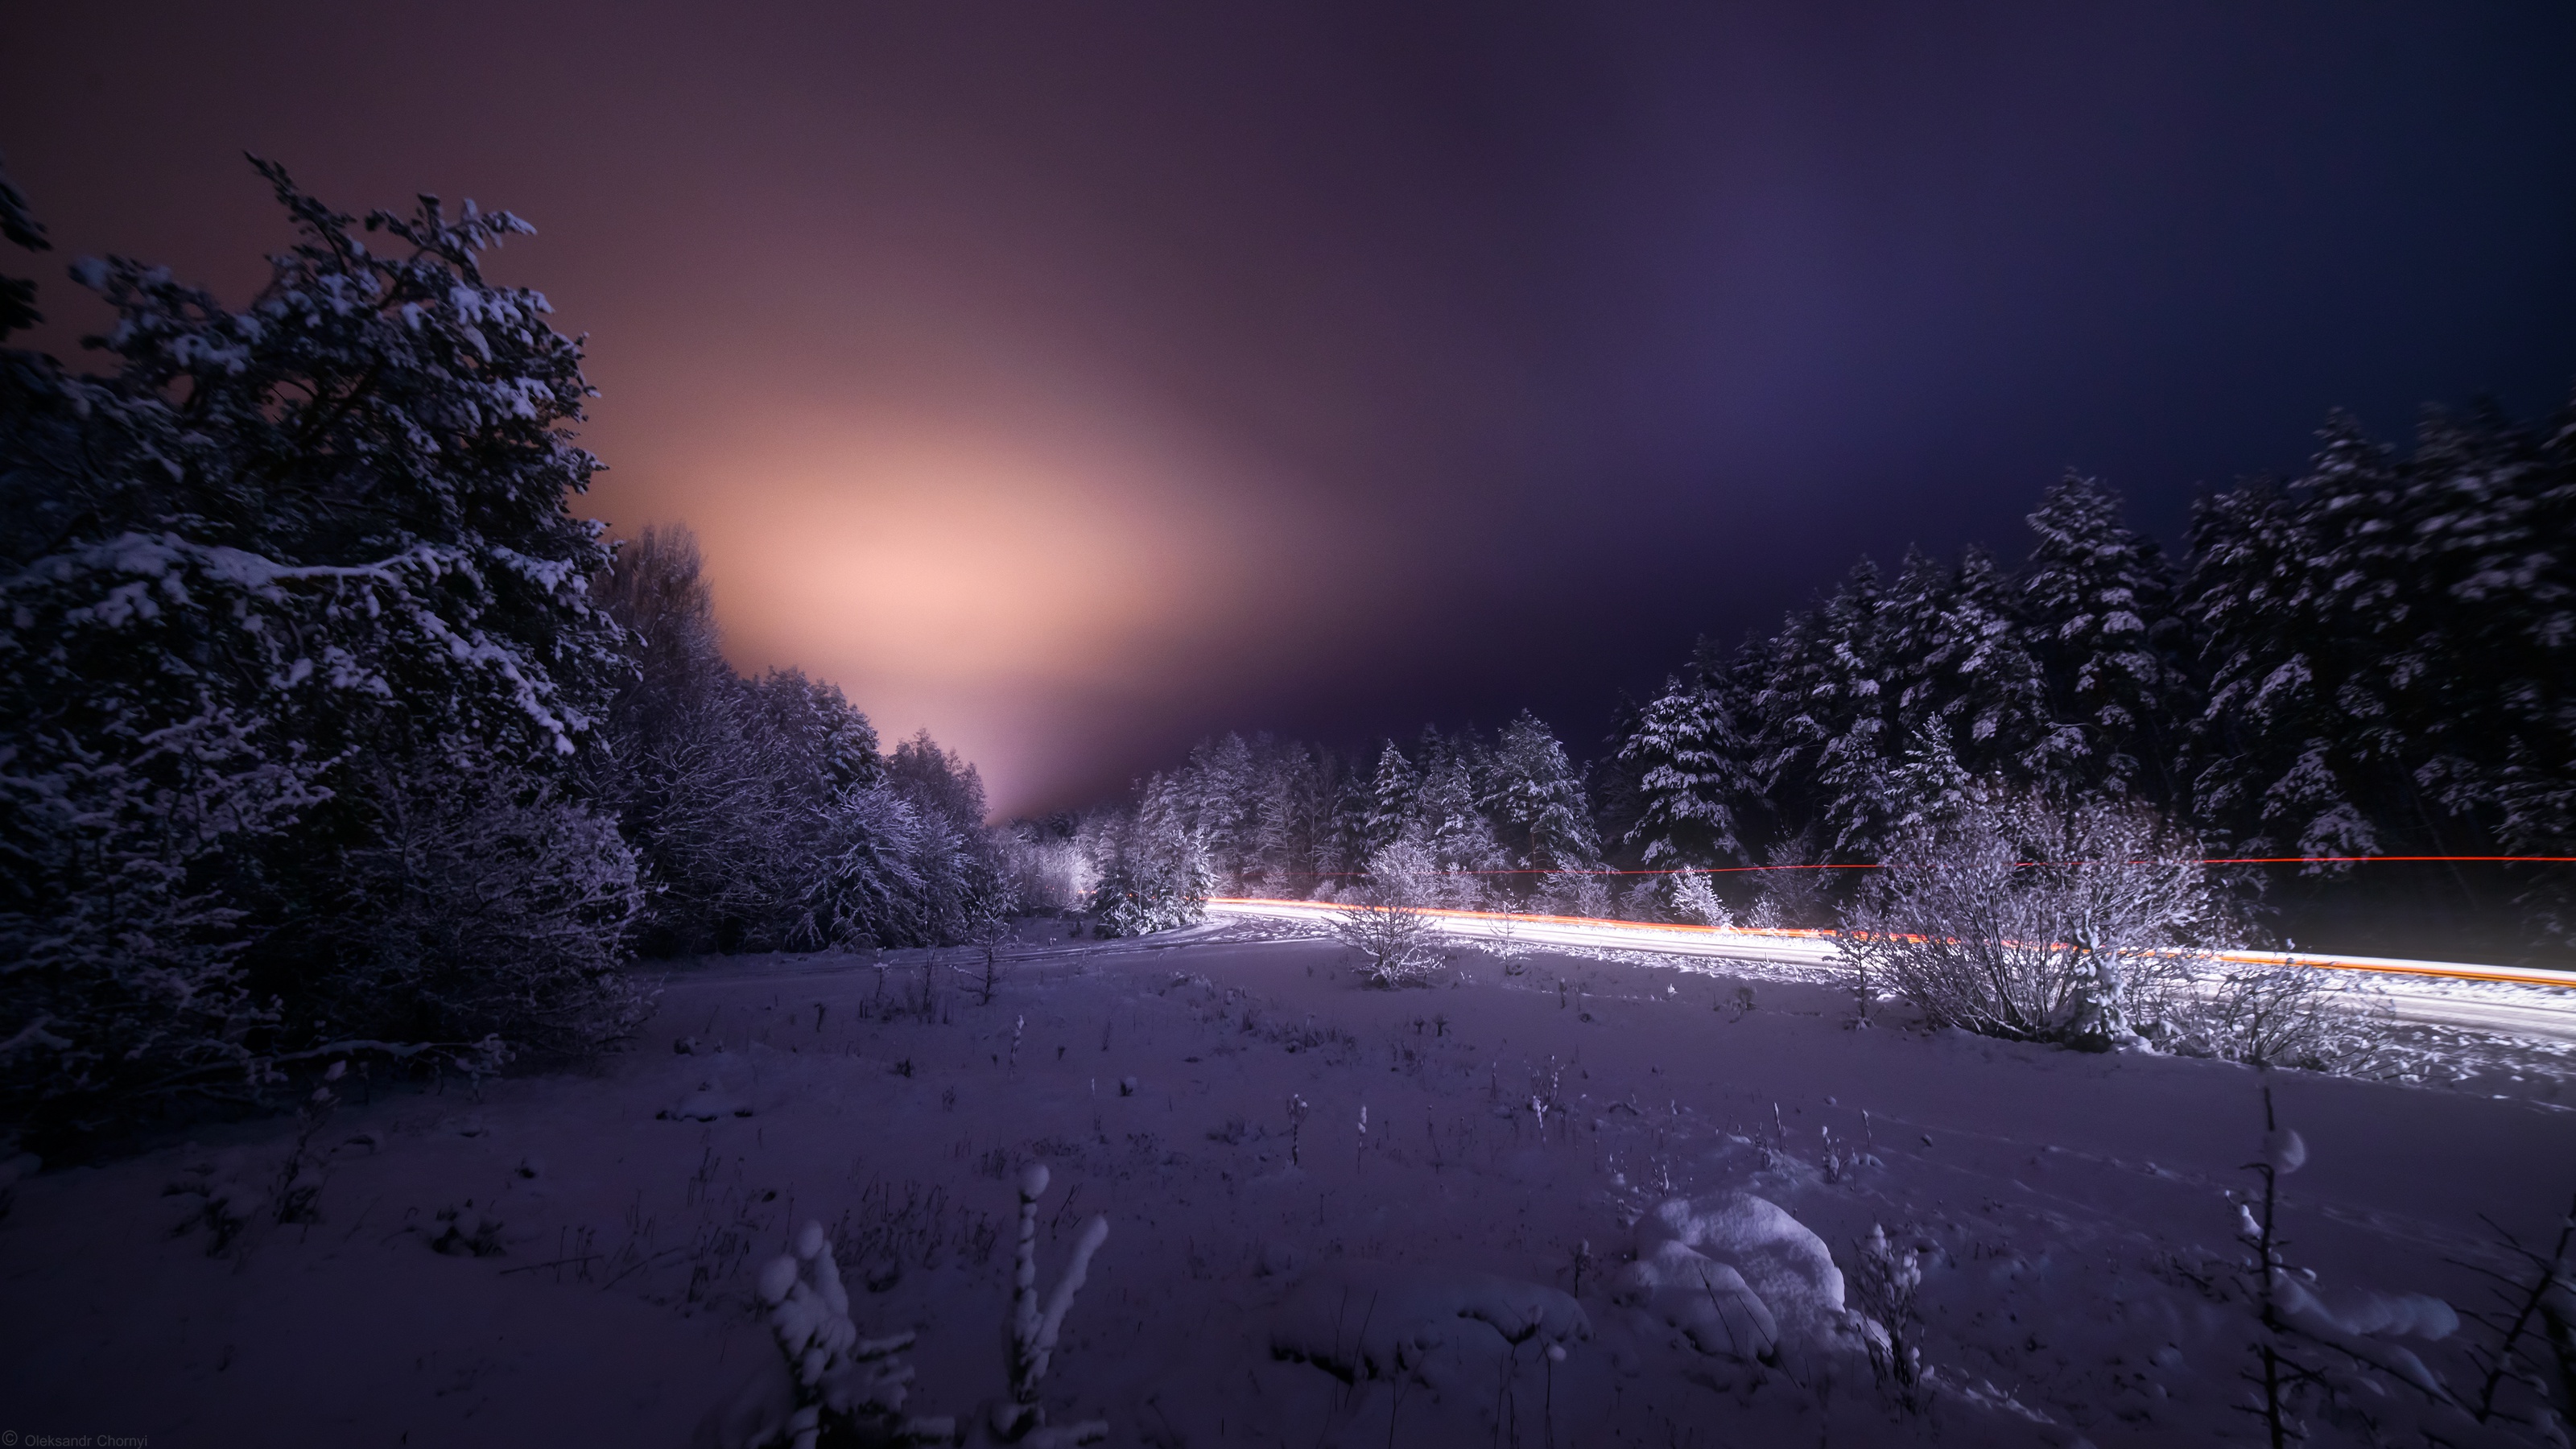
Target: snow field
{"x":1506,"y":1255}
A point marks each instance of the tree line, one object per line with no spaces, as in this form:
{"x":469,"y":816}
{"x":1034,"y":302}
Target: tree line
{"x":328,"y":733}
{"x":2372,"y":659}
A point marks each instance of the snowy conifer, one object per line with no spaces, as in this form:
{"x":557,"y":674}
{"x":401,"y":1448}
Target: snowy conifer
{"x":279,"y":556}
{"x":1688,"y":764}
{"x":1393,"y":802}
{"x":2099,"y":604}
{"x":1537,"y":800}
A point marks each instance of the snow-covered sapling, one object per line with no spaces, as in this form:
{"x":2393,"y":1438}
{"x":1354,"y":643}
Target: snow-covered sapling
{"x":1296,"y":1126}
{"x":1363,"y":1147}
{"x":2308,"y":1347}
{"x":1694,"y":900}
{"x":2536,"y":1304}
{"x":842,"y":1382}
{"x":1034,"y":1330}
{"x":1882,"y":1283}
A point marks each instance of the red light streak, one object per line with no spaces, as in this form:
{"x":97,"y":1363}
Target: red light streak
{"x":1882,"y":865}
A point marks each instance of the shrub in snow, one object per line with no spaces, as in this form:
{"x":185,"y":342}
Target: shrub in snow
{"x":2291,"y":1016}
{"x":1034,"y":1328}
{"x":486,"y":904}
{"x":1788,"y":896}
{"x":466,"y":1231}
{"x":1882,"y":1282}
{"x":1381,"y":915}
{"x":2018,"y":917}
{"x":2533,"y":1359}
{"x":230,"y":1196}
{"x":1693,"y":900}
{"x":1575,"y":893}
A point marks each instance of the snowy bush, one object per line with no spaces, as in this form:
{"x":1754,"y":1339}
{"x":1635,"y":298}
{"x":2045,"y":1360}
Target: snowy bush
{"x":1693,"y":900}
{"x":1381,"y":915}
{"x":2017,"y":917}
{"x":1882,"y":1282}
{"x":761,"y":809}
{"x":1046,"y":872}
{"x":2291,"y":1016}
{"x":1447,"y":1329}
{"x":2327,"y":1353}
{"x":486,"y":905}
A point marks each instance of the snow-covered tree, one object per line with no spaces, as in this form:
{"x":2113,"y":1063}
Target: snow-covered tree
{"x":2098,"y":601}
{"x":1842,"y":713}
{"x":2303,"y":605}
{"x":1394,"y":803}
{"x":275,"y":556}
{"x":1687,"y":761}
{"x":1151,"y":866}
{"x":1450,"y":825}
{"x":1537,"y":800}
{"x":686,"y":764}
{"x":1219,"y":782}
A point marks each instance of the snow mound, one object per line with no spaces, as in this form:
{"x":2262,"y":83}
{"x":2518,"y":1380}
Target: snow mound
{"x":1737,"y":1275}
{"x":708,"y":1103}
{"x":1437,"y":1327}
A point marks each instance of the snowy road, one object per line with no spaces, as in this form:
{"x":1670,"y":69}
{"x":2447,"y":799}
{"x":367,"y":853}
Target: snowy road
{"x":2534,"y":1004}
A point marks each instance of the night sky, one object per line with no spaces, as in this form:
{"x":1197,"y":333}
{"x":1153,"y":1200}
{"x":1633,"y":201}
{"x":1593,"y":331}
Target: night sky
{"x":1077,"y":380}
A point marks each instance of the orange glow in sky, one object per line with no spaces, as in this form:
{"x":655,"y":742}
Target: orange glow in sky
{"x":1017,"y":575}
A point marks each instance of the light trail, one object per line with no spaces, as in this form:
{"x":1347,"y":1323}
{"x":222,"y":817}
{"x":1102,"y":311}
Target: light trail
{"x":2539,"y":1005}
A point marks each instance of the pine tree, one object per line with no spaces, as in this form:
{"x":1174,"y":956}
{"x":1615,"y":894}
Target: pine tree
{"x":1538,"y":801}
{"x":1687,"y":761}
{"x":1850,"y":713}
{"x":1459,"y":839}
{"x":1353,"y":799}
{"x":2297,"y":744}
{"x":2099,"y":604}
{"x":1394,"y":799}
{"x":1996,"y":701}
{"x":281,"y":565}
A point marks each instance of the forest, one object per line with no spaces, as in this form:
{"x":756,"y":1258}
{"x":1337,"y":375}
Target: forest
{"x":2371,"y":660}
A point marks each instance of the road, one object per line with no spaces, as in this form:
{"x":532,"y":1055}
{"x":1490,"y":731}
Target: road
{"x":2505,"y":1000}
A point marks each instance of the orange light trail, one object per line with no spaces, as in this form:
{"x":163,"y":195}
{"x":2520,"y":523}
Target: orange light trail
{"x":2450,"y":970}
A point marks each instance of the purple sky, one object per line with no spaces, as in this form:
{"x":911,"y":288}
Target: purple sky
{"x":1076,"y":380}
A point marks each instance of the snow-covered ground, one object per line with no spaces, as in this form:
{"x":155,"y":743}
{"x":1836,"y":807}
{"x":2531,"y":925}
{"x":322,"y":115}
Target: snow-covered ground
{"x":571,"y":1259}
